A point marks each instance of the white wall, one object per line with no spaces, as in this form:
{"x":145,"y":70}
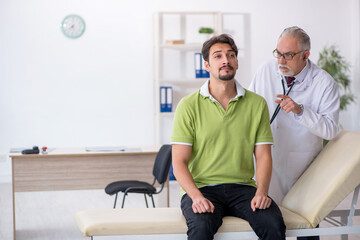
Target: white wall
{"x":97,"y":90}
{"x":351,"y":118}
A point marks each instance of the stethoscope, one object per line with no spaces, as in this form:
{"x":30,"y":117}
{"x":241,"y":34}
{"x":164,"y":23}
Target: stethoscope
{"x":277,"y":110}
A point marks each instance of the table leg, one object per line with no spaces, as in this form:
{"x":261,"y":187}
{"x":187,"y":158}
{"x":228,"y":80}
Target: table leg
{"x":13,"y":201}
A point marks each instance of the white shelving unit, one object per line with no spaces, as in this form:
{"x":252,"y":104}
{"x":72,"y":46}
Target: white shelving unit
{"x":173,"y":65}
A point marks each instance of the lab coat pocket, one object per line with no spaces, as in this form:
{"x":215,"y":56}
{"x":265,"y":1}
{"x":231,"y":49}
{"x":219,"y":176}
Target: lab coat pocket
{"x":297,"y":163}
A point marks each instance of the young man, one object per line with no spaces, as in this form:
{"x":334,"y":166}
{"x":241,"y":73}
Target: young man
{"x":309,"y":114}
{"x":216,"y":131}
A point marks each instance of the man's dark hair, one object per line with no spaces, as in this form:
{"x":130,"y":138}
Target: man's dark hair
{"x":223,"y":38}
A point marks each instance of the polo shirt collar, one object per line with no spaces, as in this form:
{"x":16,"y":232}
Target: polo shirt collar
{"x":204,"y":90}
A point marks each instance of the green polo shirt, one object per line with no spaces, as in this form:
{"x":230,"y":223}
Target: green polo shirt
{"x":222,"y":140}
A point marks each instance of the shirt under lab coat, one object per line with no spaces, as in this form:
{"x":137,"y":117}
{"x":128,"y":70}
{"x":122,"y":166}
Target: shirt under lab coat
{"x":298,"y":139}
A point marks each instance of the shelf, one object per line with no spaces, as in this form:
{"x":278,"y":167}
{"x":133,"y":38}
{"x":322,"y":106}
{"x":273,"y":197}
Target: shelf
{"x":189,"y":13}
{"x":183,"y":47}
{"x":183,"y":81}
{"x":174,"y":64}
{"x":167,"y":114}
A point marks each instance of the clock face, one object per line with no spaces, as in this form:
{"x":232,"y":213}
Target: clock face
{"x":73,"y":26}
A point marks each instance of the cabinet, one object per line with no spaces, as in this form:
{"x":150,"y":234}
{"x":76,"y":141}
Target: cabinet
{"x":174,"y":66}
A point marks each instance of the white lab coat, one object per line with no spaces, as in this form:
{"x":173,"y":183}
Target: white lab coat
{"x":298,"y":139}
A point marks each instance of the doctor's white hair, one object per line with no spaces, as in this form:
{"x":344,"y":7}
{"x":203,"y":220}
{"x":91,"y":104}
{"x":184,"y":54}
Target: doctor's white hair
{"x":300,"y":34}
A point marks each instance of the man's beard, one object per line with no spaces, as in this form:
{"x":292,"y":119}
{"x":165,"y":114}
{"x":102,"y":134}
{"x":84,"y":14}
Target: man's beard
{"x":290,"y":72}
{"x":227,"y":76}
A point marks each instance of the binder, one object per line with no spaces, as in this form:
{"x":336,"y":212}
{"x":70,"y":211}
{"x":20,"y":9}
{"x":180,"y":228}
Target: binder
{"x":198,"y":59}
{"x":166,"y":99}
{"x":204,"y":73}
{"x":200,"y":71}
{"x":162,"y":99}
{"x":169,"y":99}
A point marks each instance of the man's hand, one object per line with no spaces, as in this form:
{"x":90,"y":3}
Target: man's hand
{"x":180,"y":158}
{"x":260,"y":201}
{"x":287,"y":104}
{"x":202,"y":205}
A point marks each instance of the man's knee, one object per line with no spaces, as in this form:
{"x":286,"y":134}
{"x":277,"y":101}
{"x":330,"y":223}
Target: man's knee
{"x":276,"y":228}
{"x":273,"y":230}
{"x":269,"y":224}
{"x":203,"y":226}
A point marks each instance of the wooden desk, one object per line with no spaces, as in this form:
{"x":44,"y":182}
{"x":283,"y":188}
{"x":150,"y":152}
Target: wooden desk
{"x":77,"y":169}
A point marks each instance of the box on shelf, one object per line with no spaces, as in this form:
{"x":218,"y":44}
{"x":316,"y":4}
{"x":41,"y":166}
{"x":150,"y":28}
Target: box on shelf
{"x":174,"y":42}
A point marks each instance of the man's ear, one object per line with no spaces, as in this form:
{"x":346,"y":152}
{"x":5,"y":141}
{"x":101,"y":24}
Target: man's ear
{"x":306,"y":54}
{"x":207,"y":66}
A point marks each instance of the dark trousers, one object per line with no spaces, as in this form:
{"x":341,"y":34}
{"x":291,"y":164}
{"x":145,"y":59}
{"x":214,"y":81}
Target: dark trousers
{"x":232,"y":200}
{"x":309,"y":238}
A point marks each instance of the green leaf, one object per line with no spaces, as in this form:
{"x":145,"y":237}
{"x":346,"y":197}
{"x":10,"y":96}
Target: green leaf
{"x":206,"y":30}
{"x":345,"y":100}
{"x":332,"y":62}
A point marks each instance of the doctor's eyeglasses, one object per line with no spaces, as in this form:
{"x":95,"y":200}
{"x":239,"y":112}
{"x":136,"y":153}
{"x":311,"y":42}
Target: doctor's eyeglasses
{"x":287,"y":55}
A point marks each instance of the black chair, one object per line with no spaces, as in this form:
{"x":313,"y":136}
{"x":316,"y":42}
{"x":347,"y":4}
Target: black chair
{"x":160,"y":172}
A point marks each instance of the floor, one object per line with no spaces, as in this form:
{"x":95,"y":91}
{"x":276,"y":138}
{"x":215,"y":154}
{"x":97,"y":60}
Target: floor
{"x":49,"y":215}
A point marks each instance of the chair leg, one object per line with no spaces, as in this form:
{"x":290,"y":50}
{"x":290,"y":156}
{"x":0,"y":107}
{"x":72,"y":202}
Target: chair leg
{"x":123,"y":201}
{"x":146,"y":201}
{"x":152,"y":198}
{"x":115,"y":200}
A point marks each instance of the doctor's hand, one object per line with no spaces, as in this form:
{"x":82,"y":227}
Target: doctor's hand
{"x":287,"y":104}
{"x":260,"y":201}
{"x":202,"y":205}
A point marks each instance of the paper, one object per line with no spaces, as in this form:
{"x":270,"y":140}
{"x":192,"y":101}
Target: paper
{"x":112,"y":149}
{"x":105,"y":149}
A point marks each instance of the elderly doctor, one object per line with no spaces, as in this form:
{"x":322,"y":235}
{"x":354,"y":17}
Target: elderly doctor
{"x":305,"y":117}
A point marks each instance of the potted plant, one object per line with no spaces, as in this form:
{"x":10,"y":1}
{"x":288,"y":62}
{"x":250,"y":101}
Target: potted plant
{"x":331,"y":61}
{"x":205,"y":33}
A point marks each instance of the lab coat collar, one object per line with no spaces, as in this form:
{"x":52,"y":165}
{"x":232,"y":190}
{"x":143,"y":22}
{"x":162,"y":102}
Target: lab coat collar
{"x":204,"y":90}
{"x":301,"y":75}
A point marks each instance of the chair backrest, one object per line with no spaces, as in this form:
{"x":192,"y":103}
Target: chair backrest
{"x":162,"y":163}
{"x":333,"y":174}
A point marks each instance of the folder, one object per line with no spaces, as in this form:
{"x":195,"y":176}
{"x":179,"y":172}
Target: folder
{"x":204,"y":73}
{"x":169,"y":99}
{"x":166,"y":99}
{"x":163,"y":99}
{"x":198,"y":59}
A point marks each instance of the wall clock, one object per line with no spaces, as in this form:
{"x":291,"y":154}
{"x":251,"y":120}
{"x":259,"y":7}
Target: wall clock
{"x":73,"y":26}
